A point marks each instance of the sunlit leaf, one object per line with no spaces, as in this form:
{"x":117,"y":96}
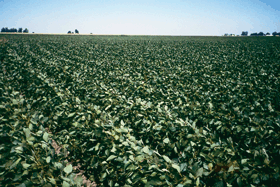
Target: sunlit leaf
{"x":111,"y":157}
{"x":46,"y":137}
{"x":68,"y":169}
{"x":175,"y":166}
{"x":65,"y":184}
{"x":167,"y":159}
{"x":166,"y":140}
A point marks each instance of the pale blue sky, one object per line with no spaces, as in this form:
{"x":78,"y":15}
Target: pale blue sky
{"x":149,"y":17}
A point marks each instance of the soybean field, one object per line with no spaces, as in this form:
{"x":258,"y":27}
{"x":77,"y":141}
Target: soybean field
{"x":139,"y":111}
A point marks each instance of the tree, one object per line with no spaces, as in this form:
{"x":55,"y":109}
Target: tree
{"x":276,"y":34}
{"x":267,"y":34}
{"x":13,"y":30}
{"x":6,"y":29}
{"x":254,"y":34}
{"x":69,"y":32}
{"x":20,"y":30}
{"x":244,"y":33}
{"x":26,"y":30}
{"x":76,"y":31}
{"x":261,"y":34}
{"x":3,"y":29}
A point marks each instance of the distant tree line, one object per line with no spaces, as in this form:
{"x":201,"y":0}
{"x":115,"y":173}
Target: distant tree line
{"x":258,"y":34}
{"x":20,"y":30}
{"x":76,"y":32}
{"x":245,"y":33}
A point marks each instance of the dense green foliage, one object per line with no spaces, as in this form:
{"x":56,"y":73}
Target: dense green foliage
{"x":139,"y":111}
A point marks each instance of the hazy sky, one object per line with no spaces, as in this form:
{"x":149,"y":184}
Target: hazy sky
{"x":149,"y":17}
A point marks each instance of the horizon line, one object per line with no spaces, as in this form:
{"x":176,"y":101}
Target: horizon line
{"x":96,"y":34}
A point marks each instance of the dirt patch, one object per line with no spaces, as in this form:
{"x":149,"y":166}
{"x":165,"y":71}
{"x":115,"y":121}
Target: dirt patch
{"x":3,"y":40}
{"x":86,"y":181}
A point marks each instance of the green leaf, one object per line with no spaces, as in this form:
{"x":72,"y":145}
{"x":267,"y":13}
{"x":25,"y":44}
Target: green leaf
{"x":15,"y":101}
{"x":65,"y":184}
{"x":17,"y":177}
{"x":33,"y":121}
{"x":71,"y":115}
{"x":19,"y":149}
{"x":103,"y":175}
{"x":129,"y":181}
{"x":188,"y":181}
{"x":113,"y":150}
{"x":144,"y":180}
{"x":108,"y":107}
{"x":255,"y":178}
{"x":239,"y":181}
{"x":146,"y":149}
{"x":15,"y":163}
{"x":189,"y":135}
{"x":111,"y":157}
{"x":25,"y":172}
{"x":30,"y":126}
{"x":79,"y":180}
{"x":153,"y":174}
{"x":131,"y":157}
{"x":244,"y":161}
{"x":47,"y":185}
{"x":219,"y":184}
{"x":139,"y":158}
{"x":52,"y":180}
{"x":175,"y":166}
{"x":195,"y":167}
{"x":27,"y":132}
{"x":167,"y":159}
{"x":25,"y":166}
{"x":21,"y":185}
{"x":231,"y":168}
{"x":166,"y":140}
{"x":197,"y":182}
{"x":210,"y":166}
{"x":48,"y":159}
{"x":192,"y":143}
{"x":68,"y":169}
{"x":58,"y":165}
{"x":97,"y":146}
{"x":46,"y":137}
{"x":199,"y":172}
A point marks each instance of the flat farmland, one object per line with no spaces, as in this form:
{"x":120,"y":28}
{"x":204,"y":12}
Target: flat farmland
{"x":139,"y":111}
